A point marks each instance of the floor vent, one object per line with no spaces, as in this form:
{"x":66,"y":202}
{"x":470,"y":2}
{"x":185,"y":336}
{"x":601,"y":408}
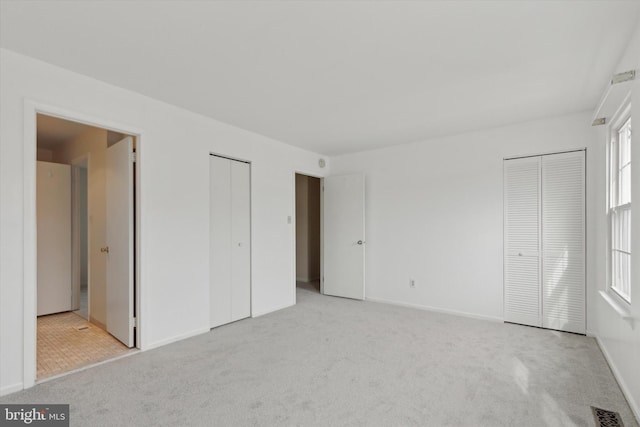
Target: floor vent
{"x":606,"y":418}
{"x":82,"y":328}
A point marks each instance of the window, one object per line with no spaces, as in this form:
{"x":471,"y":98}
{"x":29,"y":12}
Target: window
{"x":620,"y":208}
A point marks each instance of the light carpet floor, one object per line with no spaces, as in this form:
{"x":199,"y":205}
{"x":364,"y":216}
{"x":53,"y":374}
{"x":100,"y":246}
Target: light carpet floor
{"x":331,"y":361}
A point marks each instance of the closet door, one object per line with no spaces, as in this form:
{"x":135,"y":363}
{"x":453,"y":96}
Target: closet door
{"x":563,"y":242}
{"x":230,"y":241}
{"x":53,"y":204}
{"x":220,"y":241}
{"x":241,"y":241}
{"x":521,"y":241}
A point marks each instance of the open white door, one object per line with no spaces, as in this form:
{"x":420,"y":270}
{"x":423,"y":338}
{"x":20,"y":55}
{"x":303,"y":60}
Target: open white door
{"x":120,"y":268}
{"x":343,"y":267}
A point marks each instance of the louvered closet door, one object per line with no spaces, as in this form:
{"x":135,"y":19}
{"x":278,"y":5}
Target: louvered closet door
{"x":563,"y":243}
{"x":522,"y":242}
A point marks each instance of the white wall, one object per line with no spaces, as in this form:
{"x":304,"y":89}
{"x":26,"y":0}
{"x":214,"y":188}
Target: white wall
{"x":618,"y":338}
{"x":434,"y":212}
{"x":174,"y":193}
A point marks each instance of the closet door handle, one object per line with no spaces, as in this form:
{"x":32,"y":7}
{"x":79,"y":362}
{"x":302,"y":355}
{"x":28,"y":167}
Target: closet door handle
{"x":360,"y":242}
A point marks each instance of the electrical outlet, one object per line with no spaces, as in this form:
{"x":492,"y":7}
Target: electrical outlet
{"x":412,"y":283}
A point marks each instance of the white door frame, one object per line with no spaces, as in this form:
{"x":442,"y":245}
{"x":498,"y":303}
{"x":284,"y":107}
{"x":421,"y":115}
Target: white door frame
{"x":31,"y":109}
{"x":293,"y":240}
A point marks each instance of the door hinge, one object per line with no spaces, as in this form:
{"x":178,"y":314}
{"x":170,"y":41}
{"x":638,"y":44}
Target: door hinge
{"x":133,"y":157}
{"x":135,"y":322}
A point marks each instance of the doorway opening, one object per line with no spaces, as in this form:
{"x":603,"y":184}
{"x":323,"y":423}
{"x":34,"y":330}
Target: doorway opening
{"x":308,"y":233}
{"x":85,"y":216}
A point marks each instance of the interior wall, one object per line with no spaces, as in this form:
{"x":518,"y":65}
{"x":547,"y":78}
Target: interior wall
{"x":314,"y":228}
{"x":173,"y":173}
{"x":620,"y":338}
{"x":307,"y":228}
{"x":93,"y":144}
{"x":434,"y":212}
{"x":44,"y":155}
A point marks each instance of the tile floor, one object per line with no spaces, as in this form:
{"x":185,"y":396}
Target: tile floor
{"x":66,"y":342}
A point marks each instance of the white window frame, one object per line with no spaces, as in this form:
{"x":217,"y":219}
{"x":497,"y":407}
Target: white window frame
{"x":619,"y":120}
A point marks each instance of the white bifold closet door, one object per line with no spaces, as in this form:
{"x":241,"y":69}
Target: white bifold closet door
{"x":544,"y":265}
{"x":563,"y":242}
{"x":522,"y":241}
{"x":230,"y":241}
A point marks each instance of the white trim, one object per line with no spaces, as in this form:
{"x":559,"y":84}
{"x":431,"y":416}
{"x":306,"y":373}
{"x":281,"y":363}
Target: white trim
{"x":30,"y":255}
{"x":623,"y":311}
{"x":619,"y":118}
{"x":31,"y":109}
{"x":436,"y":309}
{"x":545,"y":153}
{"x":620,"y":379}
{"x":11,"y":389}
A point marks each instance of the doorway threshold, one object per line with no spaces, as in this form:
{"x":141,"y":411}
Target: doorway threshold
{"x":132,"y":352}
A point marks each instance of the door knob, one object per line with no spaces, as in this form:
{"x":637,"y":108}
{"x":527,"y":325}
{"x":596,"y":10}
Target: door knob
{"x":360,"y":242}
{"x":105,"y":249}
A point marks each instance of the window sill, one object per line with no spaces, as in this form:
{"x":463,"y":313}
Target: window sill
{"x":622,"y":311}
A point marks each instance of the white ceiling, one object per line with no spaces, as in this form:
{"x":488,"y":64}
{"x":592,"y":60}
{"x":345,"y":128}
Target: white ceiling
{"x":337,"y":76}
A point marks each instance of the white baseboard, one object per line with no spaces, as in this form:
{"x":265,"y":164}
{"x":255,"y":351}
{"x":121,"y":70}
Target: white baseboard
{"x":623,"y":385}
{"x":175,"y":338}
{"x":436,"y":310}
{"x":263,"y":312}
{"x":11,"y":389}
